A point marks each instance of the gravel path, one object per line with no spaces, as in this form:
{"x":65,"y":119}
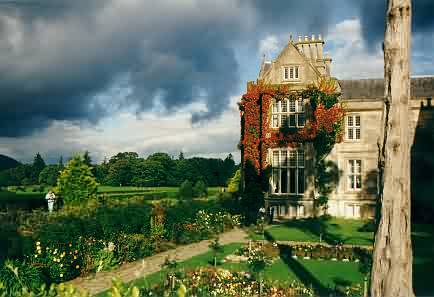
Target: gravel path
{"x":130,"y":271}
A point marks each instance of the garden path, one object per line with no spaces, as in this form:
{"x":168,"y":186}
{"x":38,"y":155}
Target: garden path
{"x":141,"y":268}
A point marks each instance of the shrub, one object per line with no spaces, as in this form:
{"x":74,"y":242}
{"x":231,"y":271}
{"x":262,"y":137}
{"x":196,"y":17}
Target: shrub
{"x":58,"y":262}
{"x":76,"y":182}
{"x":186,"y":190}
{"x":234,"y":182}
{"x":132,"y":247}
{"x":200,"y":189}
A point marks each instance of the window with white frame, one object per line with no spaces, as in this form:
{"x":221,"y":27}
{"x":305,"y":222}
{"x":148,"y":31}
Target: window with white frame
{"x":353,"y":127}
{"x":291,"y":72}
{"x":354,"y":175}
{"x":288,"y":113}
{"x":287,"y":171}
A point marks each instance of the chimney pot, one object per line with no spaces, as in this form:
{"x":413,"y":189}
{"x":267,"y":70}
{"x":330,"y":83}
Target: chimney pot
{"x":319,"y":37}
{"x":313,"y":37}
{"x":299,"y":38}
{"x":306,"y":38}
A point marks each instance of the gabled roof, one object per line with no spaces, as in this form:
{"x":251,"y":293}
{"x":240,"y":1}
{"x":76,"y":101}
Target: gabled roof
{"x":266,"y":66}
{"x":421,"y":87}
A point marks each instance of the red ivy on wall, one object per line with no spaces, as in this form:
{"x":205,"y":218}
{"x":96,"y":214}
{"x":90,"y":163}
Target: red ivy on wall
{"x":255,"y":111}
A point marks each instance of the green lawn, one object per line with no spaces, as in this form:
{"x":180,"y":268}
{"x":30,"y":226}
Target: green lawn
{"x":321,"y":274}
{"x":309,"y":230}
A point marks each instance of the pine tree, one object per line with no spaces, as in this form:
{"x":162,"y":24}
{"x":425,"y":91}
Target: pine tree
{"x":87,"y":159}
{"x":37,"y":166}
{"x":61,"y":162}
{"x":181,"y":156}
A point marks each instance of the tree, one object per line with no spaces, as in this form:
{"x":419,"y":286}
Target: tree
{"x":200,"y":189}
{"x":60,"y":163}
{"x":49,"y":175}
{"x":392,"y":259}
{"x":120,"y":173}
{"x":76,"y":182}
{"x":186,"y":190}
{"x":169,"y":167}
{"x":148,"y":173}
{"x":37,"y":166}
{"x":234,"y":182}
{"x":101,"y":171}
{"x":181,"y":156}
{"x":87,"y":159}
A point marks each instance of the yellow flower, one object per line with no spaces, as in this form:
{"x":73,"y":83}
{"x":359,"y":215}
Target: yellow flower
{"x":75,"y":257}
{"x":36,"y":256}
{"x":77,"y":266}
{"x":38,"y":243}
{"x":61,"y":275}
{"x":70,"y":244}
{"x":61,"y":265}
{"x":76,"y":251}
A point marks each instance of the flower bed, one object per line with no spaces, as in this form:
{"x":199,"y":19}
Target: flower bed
{"x":341,"y":253}
{"x":205,"y":282}
{"x":107,"y":243}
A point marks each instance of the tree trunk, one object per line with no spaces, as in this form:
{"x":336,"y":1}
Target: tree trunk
{"x":392,"y":263}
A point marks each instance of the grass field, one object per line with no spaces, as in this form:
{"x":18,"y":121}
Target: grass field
{"x":309,"y":230}
{"x":151,"y":193}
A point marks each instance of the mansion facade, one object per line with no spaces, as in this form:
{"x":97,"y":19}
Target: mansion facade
{"x":292,"y":192}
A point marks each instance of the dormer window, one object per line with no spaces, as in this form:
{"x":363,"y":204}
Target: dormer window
{"x":291,"y":73}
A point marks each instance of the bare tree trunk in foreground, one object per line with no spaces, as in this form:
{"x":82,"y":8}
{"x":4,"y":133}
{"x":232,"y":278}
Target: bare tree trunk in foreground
{"x":392,"y":263}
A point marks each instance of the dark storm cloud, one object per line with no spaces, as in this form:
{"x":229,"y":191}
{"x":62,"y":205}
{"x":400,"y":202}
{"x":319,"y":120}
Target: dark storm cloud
{"x":372,"y":14}
{"x":284,"y":15}
{"x":56,"y":56}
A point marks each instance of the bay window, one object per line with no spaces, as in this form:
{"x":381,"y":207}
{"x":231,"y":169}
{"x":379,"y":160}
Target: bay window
{"x":287,"y":171}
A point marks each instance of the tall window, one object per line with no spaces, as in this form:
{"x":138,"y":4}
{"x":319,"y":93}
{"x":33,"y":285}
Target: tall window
{"x":288,"y":171}
{"x":291,"y":72}
{"x":288,"y":113}
{"x":354,"y":175}
{"x":353,"y":127}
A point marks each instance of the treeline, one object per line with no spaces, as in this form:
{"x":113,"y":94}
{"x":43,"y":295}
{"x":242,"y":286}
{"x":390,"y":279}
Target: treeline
{"x":128,"y":169}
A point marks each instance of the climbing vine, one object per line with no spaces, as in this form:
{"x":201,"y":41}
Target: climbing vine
{"x":323,"y":126}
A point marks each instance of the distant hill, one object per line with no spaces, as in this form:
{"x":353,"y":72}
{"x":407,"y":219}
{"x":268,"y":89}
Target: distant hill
{"x":7,"y":162}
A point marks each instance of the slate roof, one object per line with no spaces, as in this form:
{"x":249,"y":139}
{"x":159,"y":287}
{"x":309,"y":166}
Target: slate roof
{"x":421,"y":87}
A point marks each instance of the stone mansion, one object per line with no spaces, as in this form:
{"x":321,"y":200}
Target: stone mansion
{"x":302,"y":63}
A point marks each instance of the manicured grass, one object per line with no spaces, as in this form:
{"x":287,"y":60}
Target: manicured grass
{"x":309,"y":230}
{"x":109,"y":189}
{"x":321,"y":274}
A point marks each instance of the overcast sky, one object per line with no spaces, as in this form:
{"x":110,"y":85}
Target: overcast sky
{"x":146,"y":76}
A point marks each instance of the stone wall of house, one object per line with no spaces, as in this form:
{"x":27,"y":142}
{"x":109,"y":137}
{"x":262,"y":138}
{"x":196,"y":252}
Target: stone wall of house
{"x":360,"y":97}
